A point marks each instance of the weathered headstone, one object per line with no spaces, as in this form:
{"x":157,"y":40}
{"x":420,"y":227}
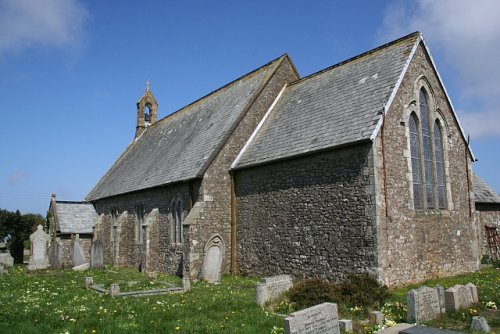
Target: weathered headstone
{"x":479,"y":324}
{"x":319,"y":319}
{"x":55,"y":254}
{"x":89,"y":281}
{"x":114,"y":290}
{"x":423,"y":304}
{"x":5,"y":258}
{"x":77,"y":253}
{"x":186,"y":284}
{"x":426,"y":330}
{"x":212,"y":261}
{"x":442,"y":304}
{"x":272,"y":287}
{"x":473,"y":291}
{"x":2,"y":269}
{"x":39,"y":258}
{"x":458,"y":297}
{"x":346,"y":325}
{"x":377,"y":317}
{"x":97,"y":255}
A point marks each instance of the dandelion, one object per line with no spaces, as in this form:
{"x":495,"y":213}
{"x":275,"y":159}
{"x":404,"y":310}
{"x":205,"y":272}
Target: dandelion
{"x":177,"y":328}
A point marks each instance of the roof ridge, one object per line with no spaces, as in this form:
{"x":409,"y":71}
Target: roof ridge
{"x":364,"y":54}
{"x":220,"y":88}
{"x":72,"y":202}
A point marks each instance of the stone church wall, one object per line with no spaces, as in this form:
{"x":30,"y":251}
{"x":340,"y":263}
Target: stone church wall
{"x":487,"y":214}
{"x":165,"y":256}
{"x":312,"y":216}
{"x":214,"y":213}
{"x":414,"y":244}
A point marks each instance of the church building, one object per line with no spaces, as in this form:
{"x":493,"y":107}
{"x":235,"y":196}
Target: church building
{"x":361,"y":167}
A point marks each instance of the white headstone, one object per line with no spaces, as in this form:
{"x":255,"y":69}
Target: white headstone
{"x":473,"y":291}
{"x":319,"y":319}
{"x":39,"y":258}
{"x":6,"y":259}
{"x":212,"y":262}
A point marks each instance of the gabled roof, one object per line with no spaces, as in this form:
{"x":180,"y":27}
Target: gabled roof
{"x":337,"y":106}
{"x":483,"y":193}
{"x":75,"y":217}
{"x":341,"y":105}
{"x":182,"y":145}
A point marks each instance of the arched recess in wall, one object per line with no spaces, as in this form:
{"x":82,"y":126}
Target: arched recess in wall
{"x":212,"y":259}
{"x":176,"y":217}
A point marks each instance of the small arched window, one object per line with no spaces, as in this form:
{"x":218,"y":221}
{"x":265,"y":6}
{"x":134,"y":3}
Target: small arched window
{"x":439,"y":156}
{"x":177,"y":209}
{"x":415,"y":162}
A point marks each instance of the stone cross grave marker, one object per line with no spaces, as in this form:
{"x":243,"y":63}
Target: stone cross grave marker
{"x":55,"y":254}
{"x":77,"y":252}
{"x":458,"y":297}
{"x":424,"y":304}
{"x":272,"y":287}
{"x":319,"y":319}
{"x":97,"y":255}
{"x":39,"y":258}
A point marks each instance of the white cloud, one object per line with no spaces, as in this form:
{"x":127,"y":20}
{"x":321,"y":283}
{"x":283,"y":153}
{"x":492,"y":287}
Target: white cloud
{"x":31,"y":23}
{"x":465,"y":33}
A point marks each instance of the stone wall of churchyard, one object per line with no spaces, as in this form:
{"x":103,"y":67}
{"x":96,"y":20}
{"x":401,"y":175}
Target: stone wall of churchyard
{"x":308,"y":217}
{"x":487,"y":214}
{"x":416,"y":244}
{"x":124,"y":245}
{"x":213,"y":216}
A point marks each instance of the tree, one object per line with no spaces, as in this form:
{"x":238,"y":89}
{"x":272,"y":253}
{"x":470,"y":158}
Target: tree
{"x":16,"y":228}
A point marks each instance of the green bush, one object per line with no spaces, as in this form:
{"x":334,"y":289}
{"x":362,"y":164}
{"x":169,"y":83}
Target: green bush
{"x":311,"y":292}
{"x":362,"y":290}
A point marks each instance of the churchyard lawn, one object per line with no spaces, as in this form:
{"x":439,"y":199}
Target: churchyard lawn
{"x":55,"y":301}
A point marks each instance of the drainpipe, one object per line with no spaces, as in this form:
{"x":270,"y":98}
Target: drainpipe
{"x":234,"y":265}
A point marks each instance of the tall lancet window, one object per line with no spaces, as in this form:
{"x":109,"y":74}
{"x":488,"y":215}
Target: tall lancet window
{"x":439,"y":156}
{"x":415,"y":162}
{"x":177,"y":221}
{"x":427,"y":150}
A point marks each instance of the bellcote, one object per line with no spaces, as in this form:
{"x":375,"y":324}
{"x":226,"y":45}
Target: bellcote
{"x":147,"y":110}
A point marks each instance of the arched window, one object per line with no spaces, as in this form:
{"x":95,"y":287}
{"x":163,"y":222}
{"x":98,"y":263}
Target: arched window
{"x":177,"y":221}
{"x":415,"y":162}
{"x":427,"y":149}
{"x":139,"y":216}
{"x":439,"y":156}
{"x":427,"y":157}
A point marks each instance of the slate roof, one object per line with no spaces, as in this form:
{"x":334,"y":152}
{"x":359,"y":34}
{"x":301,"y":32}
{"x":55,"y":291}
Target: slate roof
{"x":75,"y":217}
{"x":483,"y":193}
{"x":181,"y":146}
{"x":337,"y":106}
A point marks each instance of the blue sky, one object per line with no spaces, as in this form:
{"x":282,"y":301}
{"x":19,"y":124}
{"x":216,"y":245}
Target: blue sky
{"x":71,"y":71}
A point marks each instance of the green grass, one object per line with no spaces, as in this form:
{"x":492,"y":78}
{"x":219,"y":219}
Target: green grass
{"x":56,"y":302}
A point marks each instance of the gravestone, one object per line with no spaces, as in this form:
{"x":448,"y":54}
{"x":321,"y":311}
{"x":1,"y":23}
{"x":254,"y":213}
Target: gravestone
{"x":5,"y":258}
{"x":97,"y":255}
{"x":89,"y":281}
{"x":458,"y":297}
{"x":114,"y":290}
{"x":442,"y":304}
{"x":319,"y":319}
{"x":473,"y":291}
{"x":423,"y":304}
{"x":377,"y":317}
{"x":77,"y":253}
{"x":479,"y":324}
{"x":39,"y":258}
{"x":212,"y":261}
{"x":272,"y":287}
{"x":55,"y":254}
{"x":2,"y":269}
{"x":346,"y":325}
